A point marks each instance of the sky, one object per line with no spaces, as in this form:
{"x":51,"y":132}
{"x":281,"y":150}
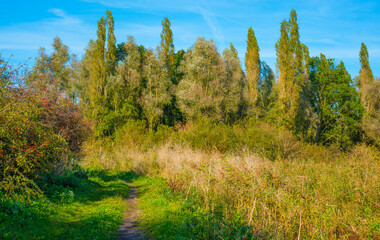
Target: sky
{"x":335,"y":28}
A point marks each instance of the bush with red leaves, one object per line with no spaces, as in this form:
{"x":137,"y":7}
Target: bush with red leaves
{"x":38,"y":133}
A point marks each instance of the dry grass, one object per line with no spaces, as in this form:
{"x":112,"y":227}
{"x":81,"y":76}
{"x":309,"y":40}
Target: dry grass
{"x":284,"y":199}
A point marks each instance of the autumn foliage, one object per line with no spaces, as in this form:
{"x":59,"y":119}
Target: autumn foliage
{"x":40,"y":132}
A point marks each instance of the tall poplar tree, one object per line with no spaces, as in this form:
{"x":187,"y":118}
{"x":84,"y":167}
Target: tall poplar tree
{"x":111,"y":56}
{"x":366,"y":77}
{"x":167,"y":59}
{"x":289,"y":51}
{"x":98,"y":68}
{"x":166,"y":55}
{"x":252,"y":65}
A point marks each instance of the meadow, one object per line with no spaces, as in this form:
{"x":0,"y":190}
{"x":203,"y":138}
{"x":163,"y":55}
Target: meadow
{"x":218,"y":187}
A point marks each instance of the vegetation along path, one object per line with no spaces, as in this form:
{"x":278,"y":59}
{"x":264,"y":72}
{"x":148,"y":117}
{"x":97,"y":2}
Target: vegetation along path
{"x":129,"y":230}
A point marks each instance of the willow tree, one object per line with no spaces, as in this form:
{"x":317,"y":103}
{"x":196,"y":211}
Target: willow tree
{"x":59,"y":59}
{"x":289,"y":51}
{"x":232,"y":87}
{"x":125,"y":86}
{"x":155,"y":95}
{"x":366,"y":77}
{"x":200,"y":92}
{"x":252,"y":65}
{"x":53,"y":73}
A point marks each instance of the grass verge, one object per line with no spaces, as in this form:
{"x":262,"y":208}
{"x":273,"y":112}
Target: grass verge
{"x":88,"y":205}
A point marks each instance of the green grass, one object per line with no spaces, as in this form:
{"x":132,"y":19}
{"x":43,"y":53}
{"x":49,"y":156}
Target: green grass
{"x":168,"y":214}
{"x":91,"y":210}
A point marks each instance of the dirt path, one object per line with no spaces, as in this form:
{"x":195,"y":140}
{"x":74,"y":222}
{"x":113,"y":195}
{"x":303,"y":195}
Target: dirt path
{"x":129,"y":230}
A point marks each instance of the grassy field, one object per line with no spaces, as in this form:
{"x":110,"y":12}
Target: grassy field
{"x":77,"y":205}
{"x":293,"y":192}
{"x":225,"y":184}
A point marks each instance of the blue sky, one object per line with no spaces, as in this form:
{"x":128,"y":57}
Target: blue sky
{"x":335,"y":28}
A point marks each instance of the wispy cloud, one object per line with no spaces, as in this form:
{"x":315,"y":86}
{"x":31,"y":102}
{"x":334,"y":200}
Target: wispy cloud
{"x":63,"y":19}
{"x":24,"y":39}
{"x":213,"y":24}
{"x":327,"y":41}
{"x":110,"y":3}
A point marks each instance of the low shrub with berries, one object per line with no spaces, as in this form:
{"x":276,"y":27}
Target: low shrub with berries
{"x":38,"y":134}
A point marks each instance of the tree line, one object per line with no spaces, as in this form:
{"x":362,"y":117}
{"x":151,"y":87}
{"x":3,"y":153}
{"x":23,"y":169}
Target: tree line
{"x":314,"y":97}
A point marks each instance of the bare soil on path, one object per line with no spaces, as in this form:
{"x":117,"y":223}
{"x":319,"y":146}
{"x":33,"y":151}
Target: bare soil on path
{"x":129,"y":230}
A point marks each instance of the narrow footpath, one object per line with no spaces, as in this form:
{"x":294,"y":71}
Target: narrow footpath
{"x":129,"y":230}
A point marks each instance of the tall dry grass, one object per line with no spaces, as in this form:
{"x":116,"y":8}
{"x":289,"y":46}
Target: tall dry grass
{"x":283,"y":199}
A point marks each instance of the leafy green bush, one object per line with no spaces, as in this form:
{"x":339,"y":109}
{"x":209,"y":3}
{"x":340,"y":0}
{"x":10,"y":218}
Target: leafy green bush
{"x":37,"y":136}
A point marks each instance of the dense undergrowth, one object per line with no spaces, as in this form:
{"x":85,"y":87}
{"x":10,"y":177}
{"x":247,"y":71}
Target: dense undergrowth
{"x":250,"y":180}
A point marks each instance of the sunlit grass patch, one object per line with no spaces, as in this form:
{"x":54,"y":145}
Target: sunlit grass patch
{"x":92,"y":210}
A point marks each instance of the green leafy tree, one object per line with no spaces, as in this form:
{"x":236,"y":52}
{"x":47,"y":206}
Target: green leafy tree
{"x":335,"y":101}
{"x":252,"y":65}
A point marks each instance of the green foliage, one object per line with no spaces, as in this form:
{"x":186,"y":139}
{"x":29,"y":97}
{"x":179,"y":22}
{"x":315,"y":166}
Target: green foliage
{"x":335,"y":101}
{"x":237,"y":159}
{"x":28,"y":147}
{"x":250,"y":134}
{"x":108,"y":121}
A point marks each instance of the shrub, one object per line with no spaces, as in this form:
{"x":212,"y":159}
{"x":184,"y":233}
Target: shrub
{"x":37,"y":136}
